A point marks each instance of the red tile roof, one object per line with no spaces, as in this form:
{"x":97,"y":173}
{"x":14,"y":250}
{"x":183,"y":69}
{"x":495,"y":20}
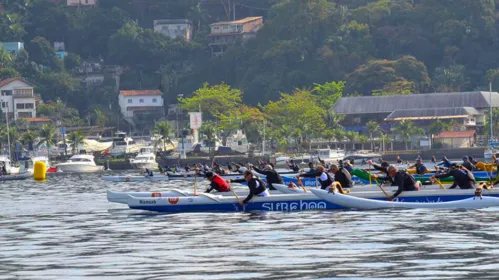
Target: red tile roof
{"x":37,"y":119}
{"x":140,"y":92}
{"x":10,"y":80}
{"x":456,"y":134}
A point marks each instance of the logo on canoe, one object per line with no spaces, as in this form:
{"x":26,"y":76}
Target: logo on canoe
{"x":156,"y":194}
{"x":173,"y":200}
{"x":147,"y":201}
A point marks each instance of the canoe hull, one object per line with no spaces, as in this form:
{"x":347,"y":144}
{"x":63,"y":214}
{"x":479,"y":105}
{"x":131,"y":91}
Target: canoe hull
{"x":134,"y":178}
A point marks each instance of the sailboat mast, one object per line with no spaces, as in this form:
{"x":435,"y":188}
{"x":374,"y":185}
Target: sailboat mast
{"x":8,"y":129}
{"x":490,"y":111}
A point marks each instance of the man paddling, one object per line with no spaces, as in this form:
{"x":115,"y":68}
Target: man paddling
{"x":402,"y":179}
{"x":420,"y":167}
{"x":467,"y":164}
{"x":272,"y":176}
{"x":256,"y":186}
{"x":462,"y":177}
{"x":216,"y":183}
{"x":323,"y":177}
{"x":342,"y":176}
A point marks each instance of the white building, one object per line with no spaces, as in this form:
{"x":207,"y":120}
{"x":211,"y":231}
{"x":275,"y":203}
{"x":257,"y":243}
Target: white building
{"x":133,"y":102}
{"x":82,"y":2}
{"x":17,"y":98}
{"x":174,"y":28}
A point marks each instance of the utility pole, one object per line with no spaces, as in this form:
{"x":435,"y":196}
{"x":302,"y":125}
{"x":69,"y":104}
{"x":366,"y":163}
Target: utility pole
{"x":263,"y":144}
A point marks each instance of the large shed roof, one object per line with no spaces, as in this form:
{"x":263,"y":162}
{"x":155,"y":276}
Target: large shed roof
{"x":388,"y":104}
{"x":432,"y":113}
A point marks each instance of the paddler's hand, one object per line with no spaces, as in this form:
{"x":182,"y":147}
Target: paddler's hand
{"x":375,"y":176}
{"x":241,"y":203}
{"x":390,"y":198}
{"x":227,"y":181}
{"x":370,"y":162}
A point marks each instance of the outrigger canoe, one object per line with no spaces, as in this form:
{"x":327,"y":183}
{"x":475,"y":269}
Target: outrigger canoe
{"x":17,"y":177}
{"x":285,"y":202}
{"x":349,"y":201}
{"x":136,"y":178}
{"x":480,"y":176}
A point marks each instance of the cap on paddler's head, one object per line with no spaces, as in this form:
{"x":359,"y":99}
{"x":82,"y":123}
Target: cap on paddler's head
{"x":248,"y":172}
{"x":465,"y":157}
{"x":267,"y":167}
{"x":208,"y":174}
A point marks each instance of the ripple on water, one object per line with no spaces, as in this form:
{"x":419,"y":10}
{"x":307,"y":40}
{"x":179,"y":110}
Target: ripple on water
{"x":66,"y":229}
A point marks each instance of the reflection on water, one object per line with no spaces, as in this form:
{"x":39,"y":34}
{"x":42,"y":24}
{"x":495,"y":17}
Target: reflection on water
{"x":66,"y":229}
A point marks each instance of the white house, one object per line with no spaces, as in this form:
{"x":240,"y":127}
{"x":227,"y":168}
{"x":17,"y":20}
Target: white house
{"x":82,"y":2}
{"x":133,"y":102}
{"x":174,"y":28}
{"x":17,"y":98}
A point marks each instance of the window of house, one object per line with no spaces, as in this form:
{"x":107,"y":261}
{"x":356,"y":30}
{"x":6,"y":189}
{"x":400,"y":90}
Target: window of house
{"x":226,"y":27}
{"x":141,"y":100}
{"x":3,"y":104}
{"x":129,"y":100}
{"x":216,"y":27}
{"x":6,"y":92}
{"x":154,"y":100}
{"x":29,"y":106}
{"x":19,"y":106}
{"x":25,"y":115}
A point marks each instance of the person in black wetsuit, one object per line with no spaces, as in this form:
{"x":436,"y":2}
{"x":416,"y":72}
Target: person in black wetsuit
{"x":467,"y":164}
{"x":256,"y":186}
{"x":462,"y":177}
{"x":272,"y":176}
{"x":324,"y":178}
{"x":402,"y":179}
{"x":293,"y":166}
{"x":311,"y":168}
{"x":420,"y":167}
{"x":342,"y":176}
{"x":399,"y":160}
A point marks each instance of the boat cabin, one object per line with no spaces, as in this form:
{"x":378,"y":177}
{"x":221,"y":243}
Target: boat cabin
{"x":82,"y":158}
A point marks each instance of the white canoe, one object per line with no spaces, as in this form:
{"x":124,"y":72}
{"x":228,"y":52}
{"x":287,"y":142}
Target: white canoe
{"x":349,"y":201}
{"x":136,"y":178}
{"x":360,"y":188}
{"x":122,"y":197}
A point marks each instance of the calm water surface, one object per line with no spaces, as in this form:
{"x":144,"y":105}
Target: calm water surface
{"x":66,"y":229}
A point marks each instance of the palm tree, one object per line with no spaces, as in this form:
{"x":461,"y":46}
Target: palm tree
{"x":339,"y":135}
{"x":372,"y":127}
{"x":48,"y":135}
{"x":328,"y":134}
{"x":28,"y":138}
{"x":165,"y":130}
{"x":352,"y":136}
{"x":100,"y":118}
{"x":363,"y":139}
{"x":209,"y":132}
{"x":76,"y":138}
{"x":436,"y":127}
{"x":406,"y":129}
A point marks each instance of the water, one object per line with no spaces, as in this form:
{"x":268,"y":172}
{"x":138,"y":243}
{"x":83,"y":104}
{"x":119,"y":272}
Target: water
{"x":66,"y":229}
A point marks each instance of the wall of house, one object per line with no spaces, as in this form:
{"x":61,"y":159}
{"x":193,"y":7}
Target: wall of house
{"x":253,"y":26}
{"x":12,"y":47}
{"x":25,"y":107}
{"x":455,"y":142}
{"x":138,"y":101}
{"x":9,"y":98}
{"x":174,"y":30}
{"x":82,"y":2}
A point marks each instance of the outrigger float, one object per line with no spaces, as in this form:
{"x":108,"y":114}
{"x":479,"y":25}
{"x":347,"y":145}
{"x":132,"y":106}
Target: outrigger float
{"x":282,"y":202}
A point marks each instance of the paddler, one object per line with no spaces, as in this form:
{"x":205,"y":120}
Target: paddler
{"x":293,"y":166}
{"x":467,"y":164}
{"x":399,"y":160}
{"x":272,"y":176}
{"x":445,"y":162}
{"x":402,"y":179}
{"x":256,"y":186}
{"x":420,"y":167}
{"x":216,"y":183}
{"x":462,"y":177}
{"x":342,"y":176}
{"x":323,"y":177}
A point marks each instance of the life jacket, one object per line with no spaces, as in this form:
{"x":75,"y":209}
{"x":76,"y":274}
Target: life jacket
{"x":222,"y":185}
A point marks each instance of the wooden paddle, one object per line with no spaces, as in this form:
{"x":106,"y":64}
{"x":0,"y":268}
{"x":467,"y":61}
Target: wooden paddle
{"x":383,"y":190}
{"x":235,"y":194}
{"x":440,"y":184}
{"x":195,"y":181}
{"x":316,"y":183}
{"x":370,"y":181}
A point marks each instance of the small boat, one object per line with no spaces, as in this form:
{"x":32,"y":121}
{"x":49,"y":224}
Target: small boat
{"x":190,"y":176}
{"x":80,"y":164}
{"x":16,"y":177}
{"x":353,"y":202}
{"x":136,"y":178}
{"x":145,"y":159}
{"x":5,"y":161}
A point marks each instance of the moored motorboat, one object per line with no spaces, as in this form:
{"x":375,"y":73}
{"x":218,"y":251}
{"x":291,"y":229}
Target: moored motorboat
{"x":16,"y":177}
{"x":145,"y":159}
{"x":80,"y":164}
{"x":349,"y":201}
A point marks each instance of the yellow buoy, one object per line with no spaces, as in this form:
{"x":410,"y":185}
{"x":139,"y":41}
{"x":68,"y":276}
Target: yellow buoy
{"x":40,"y":171}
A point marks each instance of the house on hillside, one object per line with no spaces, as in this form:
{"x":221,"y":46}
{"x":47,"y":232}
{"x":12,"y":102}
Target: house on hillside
{"x":38,"y":122}
{"x":82,"y":2}
{"x":94,"y":73}
{"x":465,"y":108}
{"x":174,"y":28}
{"x":12,"y":47}
{"x":225,"y":33}
{"x":60,"y":50}
{"x":17,"y":98}
{"x":141,"y":107}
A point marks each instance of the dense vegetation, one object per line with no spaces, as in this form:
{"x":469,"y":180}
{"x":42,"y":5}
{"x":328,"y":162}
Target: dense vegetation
{"x":375,"y":47}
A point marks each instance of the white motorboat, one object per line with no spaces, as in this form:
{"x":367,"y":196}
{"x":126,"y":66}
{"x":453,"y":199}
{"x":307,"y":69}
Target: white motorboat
{"x":122,"y":144}
{"x":80,"y":163}
{"x":5,"y":161}
{"x":31,"y":163}
{"x":145,"y":159}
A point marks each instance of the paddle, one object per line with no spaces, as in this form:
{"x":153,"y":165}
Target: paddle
{"x":383,"y":190}
{"x":235,"y":194}
{"x":316,"y":183}
{"x":440,"y":184}
{"x":195,"y":181}
{"x":370,"y":182}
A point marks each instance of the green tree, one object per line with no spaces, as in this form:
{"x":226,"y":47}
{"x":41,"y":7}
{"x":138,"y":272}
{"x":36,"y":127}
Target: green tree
{"x":352,"y":136}
{"x":372,"y":128}
{"x":208,"y":130}
{"x":363,"y":139}
{"x":29,"y":137}
{"x":77,"y":138}
{"x":215,"y":101}
{"x":48,"y":135}
{"x":329,"y":93}
{"x":406,"y":129}
{"x":165,"y":130}
{"x":436,"y":127}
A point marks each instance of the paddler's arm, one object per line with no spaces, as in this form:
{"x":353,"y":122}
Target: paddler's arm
{"x":399,"y":182}
{"x":311,"y":175}
{"x":252,"y":187}
{"x":242,"y":180}
{"x":443,"y":176}
{"x":213,"y":186}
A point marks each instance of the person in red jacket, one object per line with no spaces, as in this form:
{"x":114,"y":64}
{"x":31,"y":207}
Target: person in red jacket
{"x":217,"y":183}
